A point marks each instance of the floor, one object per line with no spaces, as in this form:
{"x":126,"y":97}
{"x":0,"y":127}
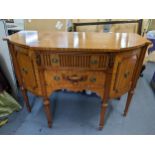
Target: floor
{"x":78,"y":113}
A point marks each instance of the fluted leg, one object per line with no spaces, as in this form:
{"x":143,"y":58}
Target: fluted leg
{"x":48,"y":112}
{"x":130,"y":94}
{"x":102,"y":115}
{"x":24,"y":93}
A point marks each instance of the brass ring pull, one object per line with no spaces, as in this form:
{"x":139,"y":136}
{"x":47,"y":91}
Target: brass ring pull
{"x":56,"y":78}
{"x":55,"y":60}
{"x":93,"y":79}
{"x":75,"y":78}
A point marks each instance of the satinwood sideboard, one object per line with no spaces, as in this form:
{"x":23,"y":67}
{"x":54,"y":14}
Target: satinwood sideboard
{"x":106,"y":63}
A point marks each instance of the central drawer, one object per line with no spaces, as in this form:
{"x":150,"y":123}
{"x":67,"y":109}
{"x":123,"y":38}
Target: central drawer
{"x":73,"y":61}
{"x":64,"y":79}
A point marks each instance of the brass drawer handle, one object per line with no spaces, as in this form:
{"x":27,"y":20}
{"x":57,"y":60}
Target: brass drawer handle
{"x":75,"y":78}
{"x":55,"y":60}
{"x":94,"y":62}
{"x":56,"y":78}
{"x":92,"y":79}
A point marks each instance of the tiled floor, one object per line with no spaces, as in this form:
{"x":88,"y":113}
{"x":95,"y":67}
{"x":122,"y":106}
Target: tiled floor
{"x":79,"y":113}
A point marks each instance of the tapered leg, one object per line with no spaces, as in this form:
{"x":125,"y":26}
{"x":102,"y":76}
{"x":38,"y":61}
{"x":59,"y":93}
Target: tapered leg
{"x":48,"y":112}
{"x":130,"y":94}
{"x":102,"y":115}
{"x":24,"y":93}
{"x":141,"y":72}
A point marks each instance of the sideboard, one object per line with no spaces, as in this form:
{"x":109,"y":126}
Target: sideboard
{"x":106,"y":63}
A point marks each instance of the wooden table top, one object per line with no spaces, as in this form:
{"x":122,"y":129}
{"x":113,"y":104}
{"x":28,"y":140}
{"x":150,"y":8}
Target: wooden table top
{"x":94,"y":41}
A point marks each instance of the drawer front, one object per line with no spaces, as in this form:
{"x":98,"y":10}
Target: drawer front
{"x":73,"y":61}
{"x":66,"y":79}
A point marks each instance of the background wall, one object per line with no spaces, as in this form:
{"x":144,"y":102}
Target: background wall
{"x":45,"y":24}
{"x":55,"y":24}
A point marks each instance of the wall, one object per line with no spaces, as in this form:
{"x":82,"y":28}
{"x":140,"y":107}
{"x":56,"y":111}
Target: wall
{"x":45,"y":24}
{"x":50,"y":24}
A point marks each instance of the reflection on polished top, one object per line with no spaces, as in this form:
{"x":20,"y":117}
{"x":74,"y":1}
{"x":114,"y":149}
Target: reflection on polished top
{"x":78,"y":40}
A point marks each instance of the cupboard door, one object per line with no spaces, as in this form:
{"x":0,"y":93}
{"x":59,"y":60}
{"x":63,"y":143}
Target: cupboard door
{"x":123,"y":73}
{"x":27,"y":71}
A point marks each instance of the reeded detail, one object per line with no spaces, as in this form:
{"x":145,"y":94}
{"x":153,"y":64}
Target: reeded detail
{"x":72,"y":61}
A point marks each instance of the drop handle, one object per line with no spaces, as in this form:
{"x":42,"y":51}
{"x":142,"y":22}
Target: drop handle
{"x":75,"y":78}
